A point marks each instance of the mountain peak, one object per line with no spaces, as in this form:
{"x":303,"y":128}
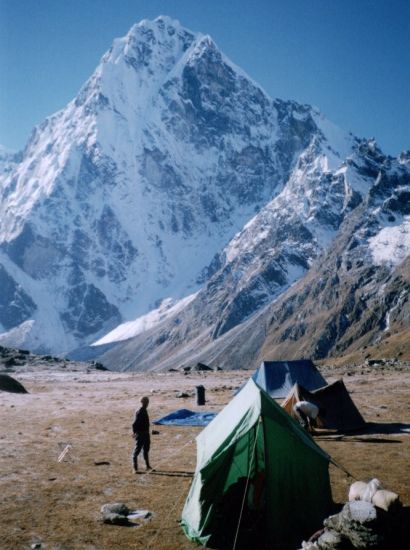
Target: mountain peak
{"x":158,"y":30}
{"x":132,"y":192}
{"x":162,"y":22}
{"x":148,"y":39}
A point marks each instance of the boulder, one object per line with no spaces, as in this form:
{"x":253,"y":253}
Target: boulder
{"x":182,"y":394}
{"x":359,"y":523}
{"x":99,"y":366}
{"x":9,"y":384}
{"x":201,"y":367}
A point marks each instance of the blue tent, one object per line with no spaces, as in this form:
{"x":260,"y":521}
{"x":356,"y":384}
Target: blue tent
{"x":184,"y":417}
{"x":278,"y":377}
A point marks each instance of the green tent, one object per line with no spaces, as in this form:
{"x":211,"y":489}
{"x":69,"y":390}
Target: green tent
{"x":256,"y":463}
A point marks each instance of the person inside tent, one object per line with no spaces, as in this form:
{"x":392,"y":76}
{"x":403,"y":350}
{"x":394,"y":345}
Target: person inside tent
{"x":307,"y":413}
{"x":140,"y":429}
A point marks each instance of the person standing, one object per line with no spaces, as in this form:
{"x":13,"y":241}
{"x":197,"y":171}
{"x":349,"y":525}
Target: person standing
{"x":140,"y":429}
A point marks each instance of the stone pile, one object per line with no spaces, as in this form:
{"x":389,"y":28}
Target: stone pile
{"x":360,"y":525}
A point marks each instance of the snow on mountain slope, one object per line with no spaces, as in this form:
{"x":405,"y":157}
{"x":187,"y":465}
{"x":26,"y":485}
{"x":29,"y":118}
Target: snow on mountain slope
{"x":127,"y":196}
{"x":343,"y":302}
{"x":8,"y":160}
{"x":146,"y":322}
{"x":391,"y":244}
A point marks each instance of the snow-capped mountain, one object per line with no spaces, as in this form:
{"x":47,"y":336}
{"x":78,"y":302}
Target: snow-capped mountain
{"x":171,"y":176}
{"x":353,"y":296}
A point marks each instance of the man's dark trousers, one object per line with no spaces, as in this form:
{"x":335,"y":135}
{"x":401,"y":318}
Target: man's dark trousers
{"x":143,"y":442}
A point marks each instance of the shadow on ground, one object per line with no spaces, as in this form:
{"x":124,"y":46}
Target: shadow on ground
{"x":371,"y":428}
{"x":389,"y":428}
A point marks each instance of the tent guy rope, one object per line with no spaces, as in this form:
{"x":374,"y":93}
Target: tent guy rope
{"x":247,"y":484}
{"x":166,"y":458}
{"x":162,"y":523}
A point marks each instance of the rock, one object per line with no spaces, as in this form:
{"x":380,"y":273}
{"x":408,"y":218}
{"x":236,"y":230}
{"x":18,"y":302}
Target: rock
{"x":375,"y":362}
{"x":116,"y":508}
{"x":364,"y":525}
{"x":115,"y":514}
{"x":9,"y":384}
{"x":118,"y":513}
{"x":182,"y":394}
{"x":202,"y":367}
{"x":99,"y":366}
{"x":332,"y":540}
{"x":359,"y":523}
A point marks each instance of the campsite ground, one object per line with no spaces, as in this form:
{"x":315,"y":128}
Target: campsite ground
{"x":58,"y":503}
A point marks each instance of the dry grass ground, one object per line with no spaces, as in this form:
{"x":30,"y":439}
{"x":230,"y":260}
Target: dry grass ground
{"x":58,"y":503}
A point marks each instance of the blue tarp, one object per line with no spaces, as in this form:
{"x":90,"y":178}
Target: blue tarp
{"x":184,"y":417}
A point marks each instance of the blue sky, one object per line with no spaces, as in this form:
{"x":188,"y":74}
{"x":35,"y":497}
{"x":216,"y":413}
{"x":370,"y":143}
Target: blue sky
{"x":350,"y":58}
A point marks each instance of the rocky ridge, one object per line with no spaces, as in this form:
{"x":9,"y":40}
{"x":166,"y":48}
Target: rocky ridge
{"x":20,"y":361}
{"x":347,"y":300}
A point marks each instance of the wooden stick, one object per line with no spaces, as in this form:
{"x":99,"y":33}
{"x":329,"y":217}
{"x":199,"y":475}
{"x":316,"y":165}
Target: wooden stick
{"x":175,"y":473}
